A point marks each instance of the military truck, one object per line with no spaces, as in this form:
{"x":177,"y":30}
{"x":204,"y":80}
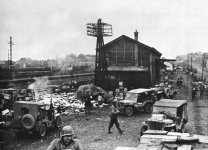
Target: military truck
{"x":168,"y":115}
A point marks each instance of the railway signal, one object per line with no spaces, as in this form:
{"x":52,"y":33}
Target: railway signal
{"x":100,"y":30}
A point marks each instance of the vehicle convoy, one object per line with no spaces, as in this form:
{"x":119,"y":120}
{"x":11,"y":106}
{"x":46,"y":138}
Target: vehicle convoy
{"x":136,"y":100}
{"x":168,"y":115}
{"x":35,"y":117}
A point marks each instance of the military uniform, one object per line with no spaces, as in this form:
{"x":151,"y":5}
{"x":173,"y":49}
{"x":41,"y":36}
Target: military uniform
{"x":113,"y":119}
{"x":58,"y":144}
{"x":66,"y":142}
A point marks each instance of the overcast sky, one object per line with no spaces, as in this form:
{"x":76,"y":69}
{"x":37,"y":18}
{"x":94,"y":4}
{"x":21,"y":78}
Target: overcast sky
{"x":44,"y":29}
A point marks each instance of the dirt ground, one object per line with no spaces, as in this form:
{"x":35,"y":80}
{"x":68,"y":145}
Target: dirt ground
{"x":91,"y":129}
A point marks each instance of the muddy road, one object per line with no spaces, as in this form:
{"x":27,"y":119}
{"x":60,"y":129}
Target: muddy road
{"x":197,"y":108}
{"x":91,"y":129}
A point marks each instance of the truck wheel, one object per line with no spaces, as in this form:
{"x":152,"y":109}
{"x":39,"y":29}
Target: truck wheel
{"x":28,"y":121}
{"x":42,"y":130}
{"x":148,"y":108}
{"x":129,"y":111}
{"x":143,"y":129}
{"x":58,"y":122}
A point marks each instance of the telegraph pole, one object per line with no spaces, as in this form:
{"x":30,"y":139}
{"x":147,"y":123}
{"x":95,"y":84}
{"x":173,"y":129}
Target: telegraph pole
{"x":203,"y":67}
{"x":10,"y":51}
{"x":188,"y":61}
{"x":8,"y":59}
{"x":191,"y":64}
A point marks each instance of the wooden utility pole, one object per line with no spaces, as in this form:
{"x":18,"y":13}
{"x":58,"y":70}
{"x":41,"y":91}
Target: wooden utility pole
{"x":10,"y":52}
{"x":191,"y":64}
{"x":8,"y":61}
{"x":203,"y":67}
{"x":191,"y":67}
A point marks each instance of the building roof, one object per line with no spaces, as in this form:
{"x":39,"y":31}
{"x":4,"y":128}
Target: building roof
{"x":129,"y":68}
{"x":165,"y":60}
{"x":132,"y":40}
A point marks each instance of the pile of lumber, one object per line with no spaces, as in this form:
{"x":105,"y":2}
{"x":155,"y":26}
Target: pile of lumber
{"x":164,"y":140}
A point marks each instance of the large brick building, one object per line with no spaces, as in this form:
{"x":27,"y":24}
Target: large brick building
{"x":131,"y":62}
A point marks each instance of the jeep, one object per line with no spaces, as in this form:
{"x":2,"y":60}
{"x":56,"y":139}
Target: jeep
{"x":35,"y":117}
{"x":136,"y":100}
{"x":169,"y":115}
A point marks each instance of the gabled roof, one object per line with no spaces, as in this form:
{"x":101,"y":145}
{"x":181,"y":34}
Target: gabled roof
{"x":132,"y":40}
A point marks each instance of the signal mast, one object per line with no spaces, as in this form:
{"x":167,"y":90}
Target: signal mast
{"x":100,"y":30}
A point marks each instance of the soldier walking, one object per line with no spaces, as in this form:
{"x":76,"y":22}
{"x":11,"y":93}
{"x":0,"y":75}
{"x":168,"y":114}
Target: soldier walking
{"x":113,"y":119}
{"x":202,"y":88}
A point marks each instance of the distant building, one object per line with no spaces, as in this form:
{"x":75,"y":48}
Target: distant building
{"x":169,"y":66}
{"x":3,"y":64}
{"x":131,"y":62}
{"x":87,"y":61}
{"x":23,"y":63}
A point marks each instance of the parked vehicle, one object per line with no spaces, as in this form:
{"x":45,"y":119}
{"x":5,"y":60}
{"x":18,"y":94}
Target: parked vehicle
{"x":168,"y":115}
{"x":166,"y":90}
{"x":54,"y":88}
{"x":158,"y":92}
{"x":11,"y":95}
{"x":136,"y":100}
{"x":35,"y":117}
{"x":25,"y":95}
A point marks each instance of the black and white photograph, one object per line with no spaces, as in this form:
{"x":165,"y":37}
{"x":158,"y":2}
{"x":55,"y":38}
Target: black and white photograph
{"x":103,"y":75}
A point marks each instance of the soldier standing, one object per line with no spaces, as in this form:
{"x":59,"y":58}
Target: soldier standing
{"x":194,"y":90}
{"x":181,"y":81}
{"x":88,"y":104}
{"x":178,"y":83}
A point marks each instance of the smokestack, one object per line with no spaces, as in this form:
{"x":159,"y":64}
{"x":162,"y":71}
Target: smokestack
{"x":136,"y":35}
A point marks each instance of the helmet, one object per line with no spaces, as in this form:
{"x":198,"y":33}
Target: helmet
{"x":67,"y":130}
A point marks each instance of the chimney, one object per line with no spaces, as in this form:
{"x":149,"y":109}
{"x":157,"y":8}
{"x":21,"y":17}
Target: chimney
{"x":136,"y":35}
